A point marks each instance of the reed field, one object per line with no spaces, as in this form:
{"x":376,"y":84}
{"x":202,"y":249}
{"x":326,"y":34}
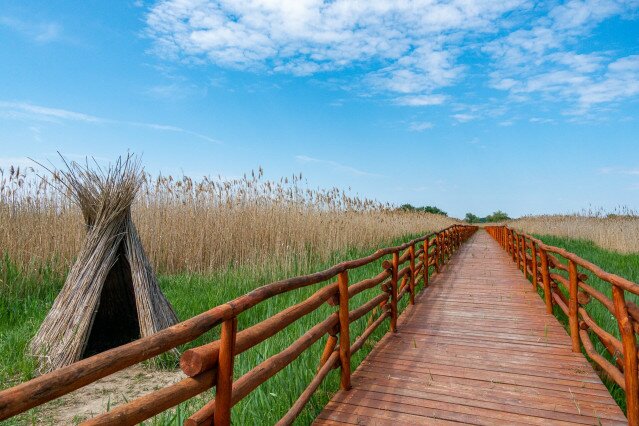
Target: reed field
{"x":200,"y":226}
{"x":618,"y":231}
{"x":191,"y":294}
{"x":211,"y":240}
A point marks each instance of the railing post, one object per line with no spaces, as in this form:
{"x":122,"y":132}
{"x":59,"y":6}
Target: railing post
{"x":436,"y":253}
{"x":426,"y":261}
{"x":513,"y":247}
{"x":328,"y":348}
{"x":344,"y":332}
{"x":224,"y":382}
{"x":545,"y":278}
{"x":533,"y":253}
{"x":573,"y":306}
{"x":522,"y":254}
{"x":411,"y":283}
{"x":393,"y":321}
{"x":446,"y":246}
{"x":629,"y":343}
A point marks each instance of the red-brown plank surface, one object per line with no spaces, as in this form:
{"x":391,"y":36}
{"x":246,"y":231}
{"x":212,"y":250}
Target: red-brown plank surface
{"x":479,"y":348}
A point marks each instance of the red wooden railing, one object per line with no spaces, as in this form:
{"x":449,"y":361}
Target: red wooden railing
{"x":211,"y":365}
{"x":554,"y":269}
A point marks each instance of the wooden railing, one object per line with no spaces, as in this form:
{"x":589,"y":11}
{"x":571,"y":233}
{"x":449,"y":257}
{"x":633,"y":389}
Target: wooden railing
{"x":211,"y":365}
{"x":560,"y":274}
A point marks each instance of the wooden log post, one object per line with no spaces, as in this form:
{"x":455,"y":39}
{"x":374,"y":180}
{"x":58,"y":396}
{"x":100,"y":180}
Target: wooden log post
{"x":573,"y":306}
{"x":524,"y":258}
{"x":411,"y":282}
{"x":446,"y":246}
{"x":502,"y":232}
{"x":533,"y":252}
{"x":522,"y":255}
{"x":344,"y":332}
{"x":513,"y":250}
{"x":436,"y":253}
{"x":331,"y":342}
{"x":393,"y":321}
{"x":455,"y":238}
{"x":425,"y":261}
{"x":629,"y":343}
{"x":545,"y":279}
{"x":224,"y":381}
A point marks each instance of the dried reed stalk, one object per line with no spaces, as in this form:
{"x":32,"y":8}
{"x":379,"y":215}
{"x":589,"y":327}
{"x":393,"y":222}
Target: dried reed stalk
{"x":612,"y":232}
{"x":105,"y":198}
{"x":201,"y":226}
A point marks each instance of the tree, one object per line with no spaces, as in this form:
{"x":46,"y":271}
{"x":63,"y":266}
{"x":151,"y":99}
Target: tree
{"x":497,"y":216}
{"x":471,"y":218}
{"x":425,"y":209}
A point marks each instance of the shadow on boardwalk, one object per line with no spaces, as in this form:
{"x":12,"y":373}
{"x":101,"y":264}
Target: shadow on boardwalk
{"x":478,"y":347}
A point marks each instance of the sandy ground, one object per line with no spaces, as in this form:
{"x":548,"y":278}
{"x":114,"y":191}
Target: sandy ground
{"x":110,"y":391}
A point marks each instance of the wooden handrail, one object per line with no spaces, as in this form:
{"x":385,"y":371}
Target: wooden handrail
{"x":624,"y":370}
{"x":212,"y":364}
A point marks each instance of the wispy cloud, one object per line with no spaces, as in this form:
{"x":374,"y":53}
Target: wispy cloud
{"x":30,"y":112}
{"x":410,"y":51}
{"x":547,"y":60}
{"x":39,"y":32}
{"x":334,"y":165}
{"x":464,"y":118}
{"x":37,"y":112}
{"x":615,"y":170}
{"x":421,"y":100}
{"x":420,"y":126}
{"x":408,"y":47}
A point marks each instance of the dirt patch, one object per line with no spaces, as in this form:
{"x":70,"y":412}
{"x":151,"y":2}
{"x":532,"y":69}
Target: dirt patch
{"x":105,"y":394}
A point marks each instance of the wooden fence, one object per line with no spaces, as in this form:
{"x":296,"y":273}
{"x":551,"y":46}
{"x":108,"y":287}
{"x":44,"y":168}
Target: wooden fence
{"x":211,"y":365}
{"x":559,"y":273}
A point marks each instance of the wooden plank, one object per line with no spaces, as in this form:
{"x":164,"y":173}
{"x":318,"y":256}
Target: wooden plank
{"x":477,"y":347}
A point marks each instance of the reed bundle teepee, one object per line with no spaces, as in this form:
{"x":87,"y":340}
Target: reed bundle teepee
{"x":111,"y":295}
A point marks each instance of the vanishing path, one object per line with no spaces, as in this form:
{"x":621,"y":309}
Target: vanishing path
{"x":478,"y":347}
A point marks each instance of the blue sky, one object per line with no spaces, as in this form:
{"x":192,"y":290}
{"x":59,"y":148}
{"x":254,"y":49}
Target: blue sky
{"x":472,"y":106}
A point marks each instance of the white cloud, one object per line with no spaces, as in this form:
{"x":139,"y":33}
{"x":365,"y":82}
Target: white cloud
{"x":30,"y":112}
{"x":27,"y":110}
{"x":547,"y":58}
{"x":409,"y":45}
{"x":421,"y":100}
{"x":464,"y":118}
{"x":39,"y":32}
{"x":619,"y":171}
{"x":421,"y":126}
{"x":411,"y":51}
{"x":304,"y":159}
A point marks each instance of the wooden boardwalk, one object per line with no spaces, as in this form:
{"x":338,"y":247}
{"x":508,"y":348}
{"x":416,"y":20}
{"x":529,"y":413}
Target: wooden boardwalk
{"x":478,"y":347}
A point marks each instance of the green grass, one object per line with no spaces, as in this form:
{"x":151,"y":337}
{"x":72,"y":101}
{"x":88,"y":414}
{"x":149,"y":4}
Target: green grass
{"x":26,"y":299}
{"x":624,"y":265}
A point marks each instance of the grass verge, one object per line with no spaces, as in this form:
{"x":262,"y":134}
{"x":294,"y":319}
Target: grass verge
{"x":27,"y":299}
{"x":624,"y":265}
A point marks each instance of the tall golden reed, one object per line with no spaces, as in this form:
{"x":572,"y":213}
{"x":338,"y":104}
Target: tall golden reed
{"x":612,"y":232}
{"x":202,"y":225}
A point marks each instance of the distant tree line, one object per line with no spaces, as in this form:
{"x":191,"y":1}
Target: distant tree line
{"x":425,"y":209}
{"x":498,"y":216}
